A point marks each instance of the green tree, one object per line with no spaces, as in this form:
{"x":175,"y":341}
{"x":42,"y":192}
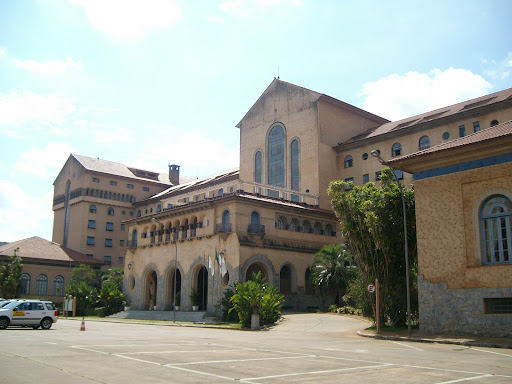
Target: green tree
{"x":371,"y":219}
{"x":10,"y":276}
{"x":331,"y":269}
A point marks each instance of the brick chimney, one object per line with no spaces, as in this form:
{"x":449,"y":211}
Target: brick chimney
{"x":174,"y":174}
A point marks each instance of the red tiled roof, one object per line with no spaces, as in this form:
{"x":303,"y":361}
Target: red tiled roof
{"x":38,"y":248}
{"x":433,"y":115}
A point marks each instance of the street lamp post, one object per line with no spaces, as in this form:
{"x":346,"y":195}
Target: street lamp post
{"x":153,"y":220}
{"x":376,"y":154}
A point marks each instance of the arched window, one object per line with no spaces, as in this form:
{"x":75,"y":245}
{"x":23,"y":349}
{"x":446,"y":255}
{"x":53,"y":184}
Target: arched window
{"x":285,"y":280}
{"x":42,"y":285}
{"x":257,"y":166}
{"x":294,"y":165}
{"x":294,"y":225}
{"x":66,"y":215}
{"x":226,"y":225}
{"x":134,"y":238}
{"x":275,"y":151}
{"x":58,"y":286}
{"x":25,"y":284}
{"x":92,"y":208}
{"x":496,"y":230}
{"x":328,"y":230}
{"x":348,"y":162}
{"x":110,"y":211}
{"x":494,"y":123}
{"x":396,"y":149}
{"x":281,"y":223}
{"x":255,"y":222}
{"x":307,"y":227}
{"x":159,"y":208}
{"x":139,"y":213}
{"x":318,"y":229}
{"x":424,"y":142}
{"x":220,"y":193}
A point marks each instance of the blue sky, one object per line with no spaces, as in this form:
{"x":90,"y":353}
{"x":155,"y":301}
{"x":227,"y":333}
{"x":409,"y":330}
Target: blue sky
{"x":147,"y":83}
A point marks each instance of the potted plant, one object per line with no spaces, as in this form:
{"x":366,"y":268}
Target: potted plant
{"x":178,"y":301}
{"x":195,"y":297}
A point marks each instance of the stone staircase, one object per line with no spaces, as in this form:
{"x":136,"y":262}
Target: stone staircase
{"x":193,"y":317}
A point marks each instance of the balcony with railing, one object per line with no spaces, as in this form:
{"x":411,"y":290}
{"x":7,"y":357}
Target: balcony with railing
{"x":223,"y":227}
{"x":256,"y":229}
{"x":131,"y":243}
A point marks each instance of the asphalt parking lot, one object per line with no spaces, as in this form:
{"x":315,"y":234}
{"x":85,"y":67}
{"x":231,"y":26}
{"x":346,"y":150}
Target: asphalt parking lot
{"x":304,"y":348}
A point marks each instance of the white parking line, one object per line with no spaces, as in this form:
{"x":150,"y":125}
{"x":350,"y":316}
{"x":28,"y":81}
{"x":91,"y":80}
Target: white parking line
{"x":408,"y":346}
{"x":249,"y":379}
{"x":466,"y":379}
{"x":496,"y":353}
{"x":174,"y":351}
{"x":238,"y":360}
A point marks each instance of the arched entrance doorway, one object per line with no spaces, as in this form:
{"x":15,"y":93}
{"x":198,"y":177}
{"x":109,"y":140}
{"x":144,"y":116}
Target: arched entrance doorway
{"x":202,"y":287}
{"x":254,"y":269}
{"x":151,"y":290}
{"x":174,"y":285}
{"x":285,"y":280}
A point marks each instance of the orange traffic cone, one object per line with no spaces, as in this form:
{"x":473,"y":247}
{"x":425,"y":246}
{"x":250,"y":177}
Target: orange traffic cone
{"x":82,"y":327}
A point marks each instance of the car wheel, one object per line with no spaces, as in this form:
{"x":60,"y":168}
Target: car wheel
{"x":35,"y":326}
{"x":46,"y":323}
{"x":4,"y":322}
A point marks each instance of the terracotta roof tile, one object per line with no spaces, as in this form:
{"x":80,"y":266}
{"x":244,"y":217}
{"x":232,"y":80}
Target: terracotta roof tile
{"x":39,"y":248}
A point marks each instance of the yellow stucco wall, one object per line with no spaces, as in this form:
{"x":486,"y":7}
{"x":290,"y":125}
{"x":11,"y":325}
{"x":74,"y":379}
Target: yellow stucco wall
{"x":448,"y":227}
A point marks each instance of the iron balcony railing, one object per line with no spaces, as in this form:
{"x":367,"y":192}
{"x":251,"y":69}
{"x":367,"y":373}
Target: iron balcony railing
{"x":256,"y":228}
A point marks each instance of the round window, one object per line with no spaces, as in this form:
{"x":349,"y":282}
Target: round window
{"x":446,"y":136}
{"x":365,"y":156}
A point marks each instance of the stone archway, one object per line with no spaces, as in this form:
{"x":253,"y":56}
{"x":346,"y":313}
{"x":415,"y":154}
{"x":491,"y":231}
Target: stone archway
{"x":173,"y":285}
{"x":202,"y":287}
{"x":255,"y":268}
{"x":151,"y":289}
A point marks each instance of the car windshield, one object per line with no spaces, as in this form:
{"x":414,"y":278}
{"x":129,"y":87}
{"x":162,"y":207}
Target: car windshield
{"x":4,"y":303}
{"x":50,"y":306}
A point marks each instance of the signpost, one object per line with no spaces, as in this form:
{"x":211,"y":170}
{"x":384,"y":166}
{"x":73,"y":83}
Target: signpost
{"x":375,"y":289}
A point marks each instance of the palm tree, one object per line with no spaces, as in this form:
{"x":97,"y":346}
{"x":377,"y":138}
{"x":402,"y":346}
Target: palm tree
{"x":331,"y":269}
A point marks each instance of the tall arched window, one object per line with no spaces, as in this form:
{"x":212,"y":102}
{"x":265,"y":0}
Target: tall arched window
{"x":134,"y":238}
{"x":255,"y":222}
{"x":258,"y":157}
{"x":42,"y":285}
{"x":92,"y":208}
{"x":396,"y":149}
{"x":496,"y":230}
{"x":285,"y":280}
{"x":58,"y":286}
{"x":220,"y":192}
{"x":66,"y":215}
{"x":424,"y":142}
{"x":294,"y":165}
{"x":275,"y":151}
{"x":226,"y":225}
{"x":25,"y":284}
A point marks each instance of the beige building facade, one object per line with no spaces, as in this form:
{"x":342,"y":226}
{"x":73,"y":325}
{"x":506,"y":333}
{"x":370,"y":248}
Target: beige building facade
{"x":463,"y":194}
{"x":273,"y":213}
{"x":91,"y":199}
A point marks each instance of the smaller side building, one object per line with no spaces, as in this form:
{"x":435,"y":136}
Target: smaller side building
{"x":47,"y":267}
{"x":464,"y":227}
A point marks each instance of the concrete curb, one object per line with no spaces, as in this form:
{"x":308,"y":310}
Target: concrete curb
{"x":436,"y":341}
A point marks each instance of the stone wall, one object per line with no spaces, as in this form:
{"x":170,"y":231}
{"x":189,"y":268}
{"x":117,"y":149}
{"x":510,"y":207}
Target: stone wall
{"x":461,"y":311}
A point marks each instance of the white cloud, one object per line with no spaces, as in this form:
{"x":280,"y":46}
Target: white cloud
{"x":215,"y":19}
{"x":44,"y":162}
{"x":19,"y":108}
{"x":118,"y":135}
{"x":193,"y":151}
{"x":498,"y":70}
{"x":2,"y":51}
{"x":22,"y":215}
{"x":399,"y":96}
{"x":50,"y":68}
{"x":130,"y":19}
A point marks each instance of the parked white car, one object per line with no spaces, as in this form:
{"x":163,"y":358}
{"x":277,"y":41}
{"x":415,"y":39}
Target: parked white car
{"x":29,"y":313}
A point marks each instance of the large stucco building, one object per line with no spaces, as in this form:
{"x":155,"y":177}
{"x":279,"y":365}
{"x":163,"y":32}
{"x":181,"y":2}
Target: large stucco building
{"x":273,"y":213}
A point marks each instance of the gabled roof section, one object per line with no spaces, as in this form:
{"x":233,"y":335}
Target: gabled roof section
{"x":38,"y":248}
{"x":118,"y":169}
{"x":437,"y":114}
{"x":319,"y":96}
{"x":209,"y":181}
